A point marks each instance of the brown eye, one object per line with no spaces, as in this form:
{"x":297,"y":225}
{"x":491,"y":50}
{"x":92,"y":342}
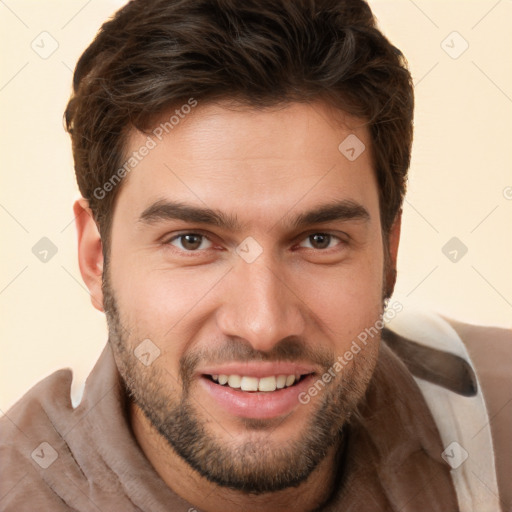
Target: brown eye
{"x":320,"y":241}
{"x":190,"y":242}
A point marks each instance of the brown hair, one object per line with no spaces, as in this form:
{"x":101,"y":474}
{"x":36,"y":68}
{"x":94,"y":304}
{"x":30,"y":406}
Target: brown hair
{"x":155,"y":55}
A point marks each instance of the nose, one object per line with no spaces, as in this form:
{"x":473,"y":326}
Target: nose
{"x":260,"y":306}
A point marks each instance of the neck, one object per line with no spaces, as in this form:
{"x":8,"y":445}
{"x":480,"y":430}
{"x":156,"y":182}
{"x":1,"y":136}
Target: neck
{"x":208,"y":496}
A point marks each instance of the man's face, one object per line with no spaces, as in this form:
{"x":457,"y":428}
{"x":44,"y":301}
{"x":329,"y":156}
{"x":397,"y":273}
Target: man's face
{"x":246,"y":244}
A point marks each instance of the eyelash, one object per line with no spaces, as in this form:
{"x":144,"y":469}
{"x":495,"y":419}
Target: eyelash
{"x":204,"y":236}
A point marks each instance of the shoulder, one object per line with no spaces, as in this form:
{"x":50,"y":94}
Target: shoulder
{"x":28,"y":432}
{"x":465,"y":374}
{"x":28,"y":414}
{"x":490,"y":349}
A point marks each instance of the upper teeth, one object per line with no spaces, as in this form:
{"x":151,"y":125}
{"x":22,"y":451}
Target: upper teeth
{"x":254,"y":384}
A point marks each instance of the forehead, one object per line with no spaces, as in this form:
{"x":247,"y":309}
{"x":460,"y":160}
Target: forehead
{"x":233,"y":157}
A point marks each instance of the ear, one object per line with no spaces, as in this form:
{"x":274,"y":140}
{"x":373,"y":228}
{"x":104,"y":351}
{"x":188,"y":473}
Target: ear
{"x":394,"y":238}
{"x":393,"y":243}
{"x":90,"y":251}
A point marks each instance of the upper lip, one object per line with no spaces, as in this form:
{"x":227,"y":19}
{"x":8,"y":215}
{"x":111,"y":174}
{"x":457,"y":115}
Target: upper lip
{"x":258,"y":369}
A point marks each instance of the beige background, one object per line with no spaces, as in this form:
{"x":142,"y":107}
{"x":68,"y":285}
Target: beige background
{"x":460,"y":182}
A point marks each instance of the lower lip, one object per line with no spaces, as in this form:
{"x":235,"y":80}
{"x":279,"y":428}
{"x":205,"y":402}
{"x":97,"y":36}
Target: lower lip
{"x":259,"y":404}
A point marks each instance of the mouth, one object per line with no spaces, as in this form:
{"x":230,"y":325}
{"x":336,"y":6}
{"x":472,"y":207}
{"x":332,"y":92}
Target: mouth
{"x":262,"y":394}
{"x":250,"y":384}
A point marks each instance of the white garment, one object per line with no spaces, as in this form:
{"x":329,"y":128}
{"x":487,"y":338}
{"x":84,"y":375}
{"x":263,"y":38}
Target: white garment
{"x":463,"y":422}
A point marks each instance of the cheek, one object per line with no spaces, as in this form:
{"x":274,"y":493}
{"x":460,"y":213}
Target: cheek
{"x":348,"y":298}
{"x":161,"y":303}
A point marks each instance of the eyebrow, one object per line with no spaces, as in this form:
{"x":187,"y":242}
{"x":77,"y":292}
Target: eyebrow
{"x":169,"y":210}
{"x":344,"y":210}
{"x":163,"y":210}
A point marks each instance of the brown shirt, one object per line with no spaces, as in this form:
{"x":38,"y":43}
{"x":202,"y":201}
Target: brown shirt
{"x":54,"y":457}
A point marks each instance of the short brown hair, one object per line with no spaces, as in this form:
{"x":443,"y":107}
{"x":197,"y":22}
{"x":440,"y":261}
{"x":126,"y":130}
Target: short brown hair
{"x":155,"y":55}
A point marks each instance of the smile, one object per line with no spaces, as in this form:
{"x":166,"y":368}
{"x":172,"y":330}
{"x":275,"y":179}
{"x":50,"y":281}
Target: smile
{"x":264,"y":396}
{"x":253,"y":384}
